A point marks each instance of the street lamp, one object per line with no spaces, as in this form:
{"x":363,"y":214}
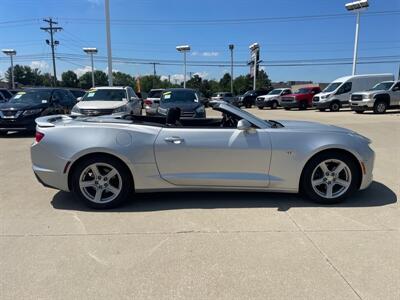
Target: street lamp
{"x":254,"y":48}
{"x":357,"y":7}
{"x":11,"y":53}
{"x":231,"y":47}
{"x":91,"y":51}
{"x":184,"y":49}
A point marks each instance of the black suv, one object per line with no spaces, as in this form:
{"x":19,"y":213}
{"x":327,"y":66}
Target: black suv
{"x":187,"y":100}
{"x":249,"y":98}
{"x":20,"y":112}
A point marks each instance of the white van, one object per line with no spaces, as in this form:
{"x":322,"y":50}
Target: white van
{"x":337,"y":94}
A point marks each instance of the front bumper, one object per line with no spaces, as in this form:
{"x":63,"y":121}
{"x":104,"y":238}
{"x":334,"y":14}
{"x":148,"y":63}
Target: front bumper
{"x":321,"y":104}
{"x":264,"y":103}
{"x":293,"y":104}
{"x":18,"y":124}
{"x":367,"y":167}
{"x":362,"y":105}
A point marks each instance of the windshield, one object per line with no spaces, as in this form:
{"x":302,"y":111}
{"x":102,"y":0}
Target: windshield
{"x":332,"y":87}
{"x":303,"y":91}
{"x":275,"y":92}
{"x":248,"y":93}
{"x":383,"y":86}
{"x":179,"y":96}
{"x":32,"y":97}
{"x":105,"y":95}
{"x":154,"y":94}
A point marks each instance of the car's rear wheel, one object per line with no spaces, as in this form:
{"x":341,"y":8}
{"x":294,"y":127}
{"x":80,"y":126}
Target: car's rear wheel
{"x":359,"y":111}
{"x":330,"y":177}
{"x":102,"y":182}
{"x":321,"y":109}
{"x":260,"y":107}
{"x":287,"y":108}
{"x":3,"y":133}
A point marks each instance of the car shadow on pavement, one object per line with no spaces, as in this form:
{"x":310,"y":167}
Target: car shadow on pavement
{"x":376,"y":195}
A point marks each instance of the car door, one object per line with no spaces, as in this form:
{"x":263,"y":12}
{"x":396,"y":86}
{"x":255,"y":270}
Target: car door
{"x":133,"y":102}
{"x":395,"y":95}
{"x":213,"y":157}
{"x":343,"y":93}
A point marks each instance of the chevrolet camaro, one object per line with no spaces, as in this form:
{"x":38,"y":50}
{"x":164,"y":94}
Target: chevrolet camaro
{"x":105,"y":160}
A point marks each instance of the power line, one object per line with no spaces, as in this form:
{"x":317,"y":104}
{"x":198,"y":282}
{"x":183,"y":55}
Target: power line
{"x":280,"y":19}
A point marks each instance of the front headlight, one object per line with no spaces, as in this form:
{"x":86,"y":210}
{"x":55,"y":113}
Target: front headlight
{"x":162,"y":111}
{"x":31,"y":112}
{"x":119,"y":109}
{"x":367,"y":96}
{"x":200,"y":110}
{"x":76,"y":110}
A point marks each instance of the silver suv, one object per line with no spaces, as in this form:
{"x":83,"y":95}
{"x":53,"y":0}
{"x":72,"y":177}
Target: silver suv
{"x":383,"y":96}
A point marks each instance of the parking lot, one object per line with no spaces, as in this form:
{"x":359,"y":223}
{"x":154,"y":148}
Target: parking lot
{"x":205,"y":245}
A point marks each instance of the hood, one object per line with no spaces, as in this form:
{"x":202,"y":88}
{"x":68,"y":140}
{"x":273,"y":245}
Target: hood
{"x":313,"y":126}
{"x":21,"y":106}
{"x":100,"y":104}
{"x":184,"y":106}
{"x":270,"y":96}
{"x":370,"y":92}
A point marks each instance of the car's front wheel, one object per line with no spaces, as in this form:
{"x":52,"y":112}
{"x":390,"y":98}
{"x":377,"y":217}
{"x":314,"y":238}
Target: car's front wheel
{"x":274,"y":105}
{"x":101,"y":182}
{"x":330,"y":177}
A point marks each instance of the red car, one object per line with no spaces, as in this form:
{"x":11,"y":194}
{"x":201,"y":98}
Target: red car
{"x":302,"y":98}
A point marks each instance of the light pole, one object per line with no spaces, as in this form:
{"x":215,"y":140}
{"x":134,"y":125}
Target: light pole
{"x":357,"y":7}
{"x":231,"y":47}
{"x":254,"y":48}
{"x":184,"y":49}
{"x":91,"y":51}
{"x":11,"y":53}
{"x":108,"y":32}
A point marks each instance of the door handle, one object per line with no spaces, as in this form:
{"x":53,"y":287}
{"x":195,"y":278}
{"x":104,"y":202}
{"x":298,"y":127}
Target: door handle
{"x":174,"y":139}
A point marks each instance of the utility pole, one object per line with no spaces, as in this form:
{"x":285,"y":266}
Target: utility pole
{"x":52,"y":29}
{"x":231,"y":47}
{"x":11,"y":53}
{"x":108,"y":33}
{"x":154,"y":73}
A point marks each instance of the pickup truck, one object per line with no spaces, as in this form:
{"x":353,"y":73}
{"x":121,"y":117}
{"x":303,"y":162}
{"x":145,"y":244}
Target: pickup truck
{"x":383,"y":96}
{"x":302,"y":98}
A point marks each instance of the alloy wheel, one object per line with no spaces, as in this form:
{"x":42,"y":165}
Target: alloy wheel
{"x":331,"y":178}
{"x":100,"y":183}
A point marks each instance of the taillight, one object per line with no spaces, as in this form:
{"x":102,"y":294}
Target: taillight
{"x":148,"y":102}
{"x":38,"y":136}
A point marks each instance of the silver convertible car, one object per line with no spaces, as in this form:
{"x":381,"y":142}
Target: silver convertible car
{"x":106,"y":160}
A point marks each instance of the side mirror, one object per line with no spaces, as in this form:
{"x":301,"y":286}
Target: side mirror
{"x":396,"y":88}
{"x":133,"y":99}
{"x":244,"y":125}
{"x":79,"y":99}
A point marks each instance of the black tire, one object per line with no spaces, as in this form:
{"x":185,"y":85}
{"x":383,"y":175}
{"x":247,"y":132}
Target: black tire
{"x":306,"y":186}
{"x":321,"y":109}
{"x":359,"y":111}
{"x":287,"y":108}
{"x":248,"y":106}
{"x":260,"y":107}
{"x":303,"y":105}
{"x":274,"y":105}
{"x":127,"y":186}
{"x":3,"y":133}
{"x":334,"y":106}
{"x":380,"y":107}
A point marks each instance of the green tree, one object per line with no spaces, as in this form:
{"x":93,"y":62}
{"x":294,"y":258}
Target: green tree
{"x":242,"y":84}
{"x":22,"y":74}
{"x":195,"y":82}
{"x":263,"y":82}
{"x":69,"y":79}
{"x":225,"y":83}
{"x":123,"y":79}
{"x":148,"y":82}
{"x":100,"y":79}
